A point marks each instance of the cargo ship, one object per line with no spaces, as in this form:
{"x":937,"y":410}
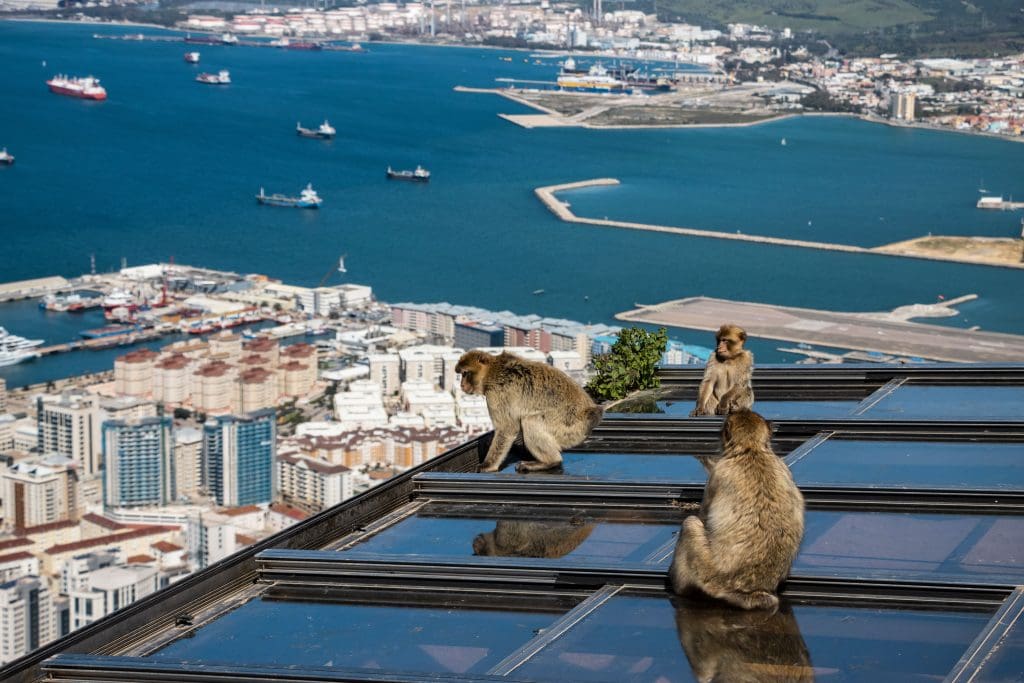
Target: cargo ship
{"x":87,"y":88}
{"x":325,"y":131}
{"x":596,"y":79}
{"x":6,"y":158}
{"x":109,"y":331}
{"x":222,"y":77}
{"x":192,"y":57}
{"x":420,"y":175}
{"x":308,"y":199}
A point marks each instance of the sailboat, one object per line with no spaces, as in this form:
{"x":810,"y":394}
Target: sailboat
{"x":981,"y":187}
{"x":783,"y":143}
{"x":341,"y":264}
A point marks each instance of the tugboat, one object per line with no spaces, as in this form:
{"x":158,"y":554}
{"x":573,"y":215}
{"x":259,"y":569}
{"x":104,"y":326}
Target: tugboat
{"x":420,"y":175}
{"x":324,"y":132}
{"x":87,"y":88}
{"x":192,"y":57}
{"x":308,"y":199}
{"x":222,"y":77}
{"x":6,"y":158}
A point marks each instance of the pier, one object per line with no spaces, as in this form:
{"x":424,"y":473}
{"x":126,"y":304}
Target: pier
{"x":875,"y":332}
{"x":561,"y":209}
{"x":26,"y":289}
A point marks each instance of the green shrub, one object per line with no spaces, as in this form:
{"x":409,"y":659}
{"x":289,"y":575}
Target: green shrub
{"x":630,"y":365}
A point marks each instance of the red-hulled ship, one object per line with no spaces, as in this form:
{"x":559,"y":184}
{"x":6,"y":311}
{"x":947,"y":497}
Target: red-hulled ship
{"x":87,"y":88}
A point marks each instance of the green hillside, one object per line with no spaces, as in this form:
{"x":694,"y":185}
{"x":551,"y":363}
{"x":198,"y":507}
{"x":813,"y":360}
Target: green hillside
{"x":967,"y":27}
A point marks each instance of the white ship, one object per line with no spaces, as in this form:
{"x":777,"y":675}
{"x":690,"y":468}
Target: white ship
{"x":14,"y":349}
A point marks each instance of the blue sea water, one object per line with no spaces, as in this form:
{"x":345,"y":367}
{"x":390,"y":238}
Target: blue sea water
{"x":168,"y":167}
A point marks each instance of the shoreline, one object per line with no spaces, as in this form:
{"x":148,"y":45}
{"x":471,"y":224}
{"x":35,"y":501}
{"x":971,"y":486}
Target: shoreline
{"x":904,"y":249}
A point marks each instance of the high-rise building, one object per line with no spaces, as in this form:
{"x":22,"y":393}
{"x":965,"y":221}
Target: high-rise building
{"x":39,"y":492}
{"x":3,"y":396}
{"x":238,"y":457}
{"x":65,"y":425}
{"x":26,"y":617}
{"x":140,"y":465}
{"x":188,"y":449}
{"x":902,"y":106}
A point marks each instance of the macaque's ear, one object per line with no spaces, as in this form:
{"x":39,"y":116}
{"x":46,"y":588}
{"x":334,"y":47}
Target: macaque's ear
{"x":743,"y":335}
{"x":484,"y":358}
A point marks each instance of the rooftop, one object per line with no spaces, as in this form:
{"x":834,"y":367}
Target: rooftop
{"x":910,"y":569}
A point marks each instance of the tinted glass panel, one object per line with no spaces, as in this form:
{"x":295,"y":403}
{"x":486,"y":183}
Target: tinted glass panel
{"x":626,"y":466}
{"x":913,"y":464}
{"x":1006,"y":661}
{"x":361,"y":636}
{"x":879,"y":544}
{"x":577,"y":538}
{"x":770,"y":409}
{"x":950,"y":403}
{"x":658,"y":639}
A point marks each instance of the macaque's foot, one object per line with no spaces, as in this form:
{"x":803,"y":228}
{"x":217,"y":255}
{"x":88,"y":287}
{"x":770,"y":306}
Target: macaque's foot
{"x":489,"y":468}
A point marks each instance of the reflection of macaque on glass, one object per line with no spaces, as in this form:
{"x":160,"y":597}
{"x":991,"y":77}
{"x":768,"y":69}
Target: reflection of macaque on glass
{"x":751,"y":521}
{"x":514,"y":538}
{"x":727,"y":645}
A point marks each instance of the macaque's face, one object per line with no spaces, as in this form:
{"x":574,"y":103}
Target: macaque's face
{"x":472,"y":372}
{"x":729,"y":343}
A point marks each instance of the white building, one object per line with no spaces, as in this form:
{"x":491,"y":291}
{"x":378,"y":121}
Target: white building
{"x":26,"y":617}
{"x":312,"y":484}
{"x":361,"y":407}
{"x":39,"y":492}
{"x":110,"y":589}
{"x":385,"y":370}
{"x":435,"y":405}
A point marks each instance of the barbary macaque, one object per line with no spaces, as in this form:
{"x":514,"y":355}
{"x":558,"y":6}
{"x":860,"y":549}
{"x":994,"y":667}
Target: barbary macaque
{"x":517,"y":538}
{"x":727,"y":378}
{"x":751,"y":521}
{"x":726,"y":644}
{"x":531,"y":401}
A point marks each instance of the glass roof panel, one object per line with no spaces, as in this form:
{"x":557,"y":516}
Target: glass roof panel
{"x":643,"y":639}
{"x":773,"y":410}
{"x":912,"y":545}
{"x":1005,"y":662}
{"x":916,"y":402}
{"x":913,"y":464}
{"x":538,"y":535}
{"x":403,"y":638}
{"x":672,"y":467}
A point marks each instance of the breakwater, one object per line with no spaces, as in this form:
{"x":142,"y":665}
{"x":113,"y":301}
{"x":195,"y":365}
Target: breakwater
{"x":561,"y":209}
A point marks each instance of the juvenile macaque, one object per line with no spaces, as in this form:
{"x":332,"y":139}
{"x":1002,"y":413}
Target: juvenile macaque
{"x":726,"y":385}
{"x":726,"y":644}
{"x":751,"y":521}
{"x":515,"y":538}
{"x":531,"y":401}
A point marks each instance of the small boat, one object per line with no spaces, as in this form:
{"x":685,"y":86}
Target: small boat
{"x":222,"y":77}
{"x":783,"y":143}
{"x":192,"y":57}
{"x":308,"y":199}
{"x":538,"y":291}
{"x":6,"y":158}
{"x":421,"y":174}
{"x":325,"y":131}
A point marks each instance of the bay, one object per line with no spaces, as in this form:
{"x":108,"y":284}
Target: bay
{"x":168,"y":167}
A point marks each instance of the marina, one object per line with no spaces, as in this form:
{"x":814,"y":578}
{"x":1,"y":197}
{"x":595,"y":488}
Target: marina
{"x":872,"y":332}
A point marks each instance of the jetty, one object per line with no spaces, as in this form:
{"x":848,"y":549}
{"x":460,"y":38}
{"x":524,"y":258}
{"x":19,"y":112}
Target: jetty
{"x":999,"y":204}
{"x":26,"y":289}
{"x":884,"y":333}
{"x":547,"y":196}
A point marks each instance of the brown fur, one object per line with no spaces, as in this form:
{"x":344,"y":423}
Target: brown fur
{"x":751,"y":521}
{"x":727,"y":645}
{"x":514,"y":538}
{"x":727,"y":378}
{"x":530,"y":401}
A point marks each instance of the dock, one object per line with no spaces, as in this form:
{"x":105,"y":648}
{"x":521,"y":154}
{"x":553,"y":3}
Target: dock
{"x":999,"y":204}
{"x":547,"y":196}
{"x":26,"y":289}
{"x":874,"y":332}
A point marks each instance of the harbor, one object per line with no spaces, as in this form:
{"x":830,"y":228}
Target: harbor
{"x":561,"y":209}
{"x":886,"y":333}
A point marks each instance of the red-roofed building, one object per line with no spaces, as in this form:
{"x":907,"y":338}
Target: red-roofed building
{"x":18,"y":564}
{"x":131,"y":542}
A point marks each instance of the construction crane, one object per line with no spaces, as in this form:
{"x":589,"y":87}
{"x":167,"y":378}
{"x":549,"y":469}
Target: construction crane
{"x":341,"y":269}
